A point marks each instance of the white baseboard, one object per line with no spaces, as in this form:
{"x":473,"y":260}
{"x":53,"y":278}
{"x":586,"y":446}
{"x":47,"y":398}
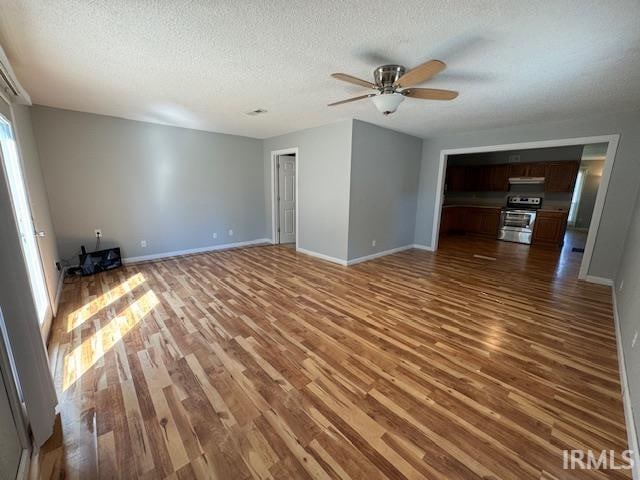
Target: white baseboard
{"x":423,"y":247}
{"x":211,"y":248}
{"x":378,"y":254}
{"x":599,"y":280}
{"x":366,"y":258}
{"x":632,"y":434}
{"x":322,"y":256}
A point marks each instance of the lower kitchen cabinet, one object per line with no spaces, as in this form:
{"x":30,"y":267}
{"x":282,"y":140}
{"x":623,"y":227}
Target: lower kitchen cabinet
{"x":471,"y":220}
{"x":549,"y":228}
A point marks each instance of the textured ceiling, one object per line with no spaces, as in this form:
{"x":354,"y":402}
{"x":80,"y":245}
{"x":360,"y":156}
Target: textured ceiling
{"x":202,"y":64}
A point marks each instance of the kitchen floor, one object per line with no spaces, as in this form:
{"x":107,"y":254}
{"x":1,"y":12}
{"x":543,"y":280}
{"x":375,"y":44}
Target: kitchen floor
{"x":575,"y":239}
{"x":486,"y":359}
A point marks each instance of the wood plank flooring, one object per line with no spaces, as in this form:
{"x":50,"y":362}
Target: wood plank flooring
{"x":264,"y":363}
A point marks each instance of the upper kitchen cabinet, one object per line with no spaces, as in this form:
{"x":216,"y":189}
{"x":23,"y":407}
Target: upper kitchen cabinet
{"x":527,"y":169}
{"x":456,"y":178}
{"x":476,"y":179}
{"x":480,"y":178}
{"x":498,"y":178}
{"x":560,"y":176}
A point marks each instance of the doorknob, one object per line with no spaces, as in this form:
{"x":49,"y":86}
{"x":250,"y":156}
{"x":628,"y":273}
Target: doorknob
{"x":41,"y":234}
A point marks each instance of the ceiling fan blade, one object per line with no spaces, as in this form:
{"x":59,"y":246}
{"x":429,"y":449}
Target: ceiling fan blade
{"x":351,"y":79}
{"x":420,"y":74}
{"x":352,"y":99}
{"x":430,"y":93}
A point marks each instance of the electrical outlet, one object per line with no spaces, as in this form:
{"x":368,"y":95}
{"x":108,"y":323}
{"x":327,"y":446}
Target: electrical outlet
{"x":98,"y":232}
{"x":230,"y":233}
{"x":215,"y":235}
{"x":635,"y":337}
{"x":373,"y":243}
{"x":143,"y":243}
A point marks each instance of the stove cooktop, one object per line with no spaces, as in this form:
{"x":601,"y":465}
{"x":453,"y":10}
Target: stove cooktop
{"x":523,"y":203}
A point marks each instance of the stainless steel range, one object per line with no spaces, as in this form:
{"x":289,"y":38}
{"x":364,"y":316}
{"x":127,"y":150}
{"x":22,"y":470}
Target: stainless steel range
{"x":518,"y":218}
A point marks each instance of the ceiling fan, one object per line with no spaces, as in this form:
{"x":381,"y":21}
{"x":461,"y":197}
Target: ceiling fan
{"x":393,"y":83}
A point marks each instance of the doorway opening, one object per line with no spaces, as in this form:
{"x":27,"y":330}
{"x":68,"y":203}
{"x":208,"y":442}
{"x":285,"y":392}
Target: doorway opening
{"x":284,"y":196}
{"x":14,"y":176}
{"x":583,"y":199}
{"x":528,"y":178}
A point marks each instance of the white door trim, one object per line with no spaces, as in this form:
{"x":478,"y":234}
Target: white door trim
{"x":612,"y":147}
{"x":48,"y":315}
{"x":274,"y":192}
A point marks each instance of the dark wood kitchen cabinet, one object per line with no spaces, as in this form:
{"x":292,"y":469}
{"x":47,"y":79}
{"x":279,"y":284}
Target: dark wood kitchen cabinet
{"x":476,"y":179}
{"x":481,"y":178}
{"x":456,"y":178}
{"x":537,"y":169}
{"x":561,"y":176}
{"x":518,"y":170}
{"x":549,"y":228}
{"x":449,"y":223}
{"x":498,"y":180}
{"x":470,"y":220}
{"x":482,"y":221}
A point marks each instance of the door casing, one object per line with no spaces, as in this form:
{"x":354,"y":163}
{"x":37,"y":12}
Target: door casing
{"x":274,"y":193}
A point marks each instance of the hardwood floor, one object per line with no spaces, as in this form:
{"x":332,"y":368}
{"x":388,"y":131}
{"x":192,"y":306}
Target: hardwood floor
{"x":264,"y":363}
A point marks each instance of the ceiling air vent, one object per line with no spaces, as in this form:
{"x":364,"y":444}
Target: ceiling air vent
{"x":257,"y":111}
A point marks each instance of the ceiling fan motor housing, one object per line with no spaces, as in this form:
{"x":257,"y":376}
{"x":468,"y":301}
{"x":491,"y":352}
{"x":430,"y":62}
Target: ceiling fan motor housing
{"x":386,"y":75}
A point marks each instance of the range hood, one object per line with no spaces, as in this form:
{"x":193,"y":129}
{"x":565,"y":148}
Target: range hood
{"x":526,"y":180}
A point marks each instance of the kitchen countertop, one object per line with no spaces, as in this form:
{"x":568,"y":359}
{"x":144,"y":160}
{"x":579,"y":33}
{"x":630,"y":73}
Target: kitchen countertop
{"x":471,"y":205}
{"x":555,"y":209}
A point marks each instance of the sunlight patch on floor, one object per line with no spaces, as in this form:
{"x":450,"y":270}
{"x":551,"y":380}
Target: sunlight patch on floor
{"x":88,"y":310}
{"x":85,"y":355}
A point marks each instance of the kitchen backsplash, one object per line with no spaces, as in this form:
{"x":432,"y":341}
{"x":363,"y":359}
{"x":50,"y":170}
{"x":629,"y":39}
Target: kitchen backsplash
{"x":553,"y":200}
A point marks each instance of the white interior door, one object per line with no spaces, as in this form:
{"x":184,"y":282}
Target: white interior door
{"x":287,"y":198}
{"x":14,"y":177}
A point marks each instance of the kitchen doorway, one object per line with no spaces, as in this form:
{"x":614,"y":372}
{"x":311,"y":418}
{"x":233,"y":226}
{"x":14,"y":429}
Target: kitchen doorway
{"x":284,"y":196}
{"x":583,"y":200}
{"x":549,"y":224}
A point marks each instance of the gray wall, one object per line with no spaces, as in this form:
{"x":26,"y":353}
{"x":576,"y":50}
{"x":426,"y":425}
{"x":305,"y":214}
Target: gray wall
{"x":628,"y":303}
{"x":323,"y":169}
{"x":38,"y":198}
{"x":172,"y":187}
{"x":624,"y":180}
{"x":385,"y":166}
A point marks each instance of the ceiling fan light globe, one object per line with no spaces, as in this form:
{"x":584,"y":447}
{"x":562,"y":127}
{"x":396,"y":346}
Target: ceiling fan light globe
{"x":387,"y":103}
